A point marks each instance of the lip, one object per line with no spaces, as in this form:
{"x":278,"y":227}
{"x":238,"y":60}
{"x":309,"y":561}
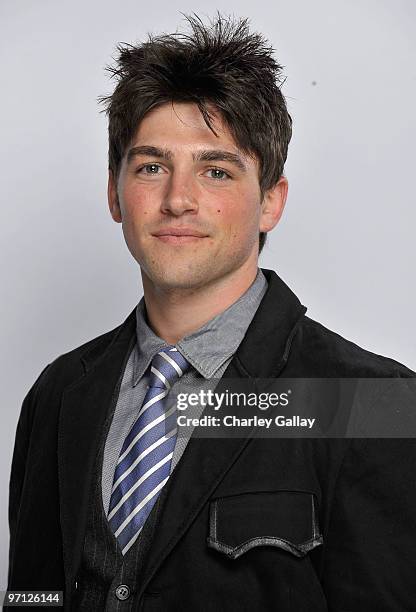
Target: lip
{"x":179,"y":240}
{"x":179,"y":232}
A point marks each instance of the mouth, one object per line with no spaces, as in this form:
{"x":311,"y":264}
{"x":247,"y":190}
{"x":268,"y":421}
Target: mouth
{"x":179,"y":235}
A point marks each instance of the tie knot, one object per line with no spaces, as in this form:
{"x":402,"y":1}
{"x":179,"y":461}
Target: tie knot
{"x":167,"y":366}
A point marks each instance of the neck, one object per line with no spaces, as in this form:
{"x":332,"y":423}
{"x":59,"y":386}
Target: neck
{"x":175,"y":313}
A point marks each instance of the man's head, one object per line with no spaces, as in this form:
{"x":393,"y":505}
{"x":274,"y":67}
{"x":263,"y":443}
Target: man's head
{"x":221,"y":84}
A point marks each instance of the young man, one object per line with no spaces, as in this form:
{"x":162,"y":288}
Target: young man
{"x":107,"y":502}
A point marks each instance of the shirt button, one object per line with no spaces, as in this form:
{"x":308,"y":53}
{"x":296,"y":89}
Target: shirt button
{"x":122,"y":592}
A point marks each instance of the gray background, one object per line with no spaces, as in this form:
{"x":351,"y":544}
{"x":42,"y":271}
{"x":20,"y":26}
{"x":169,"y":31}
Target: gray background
{"x":346,"y":241}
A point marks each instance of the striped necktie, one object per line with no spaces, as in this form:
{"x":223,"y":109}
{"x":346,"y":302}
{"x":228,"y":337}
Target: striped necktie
{"x":146,"y":455}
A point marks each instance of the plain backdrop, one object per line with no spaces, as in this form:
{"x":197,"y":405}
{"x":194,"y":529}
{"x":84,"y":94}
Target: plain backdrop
{"x":346,"y":243}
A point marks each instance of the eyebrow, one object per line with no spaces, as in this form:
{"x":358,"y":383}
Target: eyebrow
{"x":206,"y":155}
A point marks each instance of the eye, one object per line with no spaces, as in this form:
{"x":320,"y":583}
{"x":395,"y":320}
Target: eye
{"x":149,"y":169}
{"x":218,"y":174}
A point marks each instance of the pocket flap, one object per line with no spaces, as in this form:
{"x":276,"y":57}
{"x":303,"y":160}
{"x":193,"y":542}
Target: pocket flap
{"x":286,"y":519}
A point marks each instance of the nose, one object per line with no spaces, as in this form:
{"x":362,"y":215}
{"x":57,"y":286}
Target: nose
{"x":180,"y":196}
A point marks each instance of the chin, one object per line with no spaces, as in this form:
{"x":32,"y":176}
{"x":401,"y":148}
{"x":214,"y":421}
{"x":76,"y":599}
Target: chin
{"x":175,"y":277}
{"x":180,"y":281}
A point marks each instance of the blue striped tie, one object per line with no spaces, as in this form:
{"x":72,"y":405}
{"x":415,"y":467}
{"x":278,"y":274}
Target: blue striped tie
{"x":146,"y":455}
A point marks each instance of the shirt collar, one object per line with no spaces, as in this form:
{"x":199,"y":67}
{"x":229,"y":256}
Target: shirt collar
{"x":211,"y":345}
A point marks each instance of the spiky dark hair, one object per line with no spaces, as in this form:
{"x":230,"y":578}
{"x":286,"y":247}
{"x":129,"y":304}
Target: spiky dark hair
{"x":221,"y":64}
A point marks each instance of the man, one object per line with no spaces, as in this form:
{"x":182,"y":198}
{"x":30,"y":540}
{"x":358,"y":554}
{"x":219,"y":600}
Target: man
{"x":107,"y":502}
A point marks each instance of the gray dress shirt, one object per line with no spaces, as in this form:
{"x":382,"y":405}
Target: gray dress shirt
{"x":209,"y":350}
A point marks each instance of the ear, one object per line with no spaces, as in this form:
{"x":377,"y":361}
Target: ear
{"x":112,"y":195}
{"x":273,"y":204}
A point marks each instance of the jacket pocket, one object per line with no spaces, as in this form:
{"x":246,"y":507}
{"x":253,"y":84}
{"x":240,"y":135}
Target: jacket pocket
{"x":285,"y":519}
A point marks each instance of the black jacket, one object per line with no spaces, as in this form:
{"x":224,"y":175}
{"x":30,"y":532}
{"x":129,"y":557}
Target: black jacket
{"x":248,"y":524}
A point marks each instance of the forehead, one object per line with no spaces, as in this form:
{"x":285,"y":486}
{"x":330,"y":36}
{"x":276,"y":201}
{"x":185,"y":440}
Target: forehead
{"x":181,"y":124}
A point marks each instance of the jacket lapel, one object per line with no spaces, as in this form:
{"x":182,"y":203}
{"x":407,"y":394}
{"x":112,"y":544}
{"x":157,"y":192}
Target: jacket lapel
{"x":85,"y":405}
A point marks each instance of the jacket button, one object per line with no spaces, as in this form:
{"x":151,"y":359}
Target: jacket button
{"x":122,"y":592}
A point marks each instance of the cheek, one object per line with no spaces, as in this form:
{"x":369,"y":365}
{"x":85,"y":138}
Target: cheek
{"x":137,"y":201}
{"x":237,"y":219}
{"x":138,"y":210}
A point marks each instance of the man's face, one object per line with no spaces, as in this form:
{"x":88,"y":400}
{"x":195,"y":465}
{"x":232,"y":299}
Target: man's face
{"x":189,"y":201}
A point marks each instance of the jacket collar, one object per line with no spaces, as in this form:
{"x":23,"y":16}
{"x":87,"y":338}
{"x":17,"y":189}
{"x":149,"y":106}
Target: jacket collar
{"x":105,"y":345}
{"x":266,"y":345}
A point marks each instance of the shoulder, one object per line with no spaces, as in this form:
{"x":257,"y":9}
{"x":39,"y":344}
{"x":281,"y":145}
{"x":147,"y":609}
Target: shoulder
{"x":43,"y":400}
{"x":326,"y":353}
{"x":70,"y":366}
